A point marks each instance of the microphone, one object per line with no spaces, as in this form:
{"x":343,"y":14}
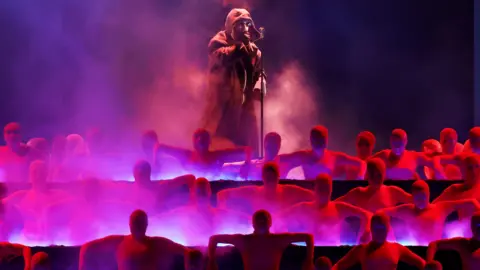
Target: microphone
{"x":262,"y":32}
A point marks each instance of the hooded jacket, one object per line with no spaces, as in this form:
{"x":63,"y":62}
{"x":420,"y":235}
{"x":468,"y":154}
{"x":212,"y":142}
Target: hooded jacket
{"x":232,"y":76}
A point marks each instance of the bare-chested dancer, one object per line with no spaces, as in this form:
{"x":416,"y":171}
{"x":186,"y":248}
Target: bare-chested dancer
{"x":472,"y":145}
{"x":207,"y":219}
{"x":15,"y":156}
{"x":323,"y":217}
{"x":272,"y":145}
{"x":138,"y":251}
{"x":470,"y":188}
{"x":31,"y":203}
{"x":376,"y":195}
{"x":41,"y":261}
{"x":402,"y":164}
{"x":431,"y":148}
{"x":10,"y":217}
{"x":449,"y":142}
{"x":261,"y":250}
{"x":10,"y":254}
{"x":379,"y":253}
{"x":323,"y":263}
{"x":365,"y":145}
{"x":422,"y":215}
{"x":154,"y":196}
{"x":271,"y":196}
{"x":202,"y":160}
{"x":468,"y":248}
{"x":321,"y":160}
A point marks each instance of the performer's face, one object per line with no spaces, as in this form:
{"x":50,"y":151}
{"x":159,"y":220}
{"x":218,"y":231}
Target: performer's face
{"x":318,"y":143}
{"x":272,"y":147}
{"x":323,"y":190}
{"x":379,"y":229}
{"x":241,"y":30}
{"x":374,"y":176}
{"x":397,"y":145}
{"x":12,"y":136}
{"x":364,"y":148}
{"x":420,"y":199}
{"x":448,"y":144}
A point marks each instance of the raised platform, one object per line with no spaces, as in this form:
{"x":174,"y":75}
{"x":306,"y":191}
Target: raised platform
{"x":66,"y":258}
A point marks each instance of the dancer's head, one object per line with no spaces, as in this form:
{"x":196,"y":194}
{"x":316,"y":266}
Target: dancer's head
{"x":262,"y":221}
{"x":138,"y":224}
{"x":272,"y":144}
{"x":421,"y":194}
{"x":376,"y":171}
{"x":201,"y":140}
{"x":398,"y":141}
{"x":319,"y":139}
{"x":365,"y":144}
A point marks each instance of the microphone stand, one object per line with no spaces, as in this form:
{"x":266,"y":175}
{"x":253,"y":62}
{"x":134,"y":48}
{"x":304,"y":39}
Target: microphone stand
{"x":262,"y":96}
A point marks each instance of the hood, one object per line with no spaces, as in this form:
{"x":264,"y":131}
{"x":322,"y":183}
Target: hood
{"x":240,"y":14}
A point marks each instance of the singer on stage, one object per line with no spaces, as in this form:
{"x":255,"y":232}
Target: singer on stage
{"x":234,"y":70}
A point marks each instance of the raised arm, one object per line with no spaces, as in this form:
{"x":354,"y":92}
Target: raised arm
{"x":351,"y":197}
{"x":294,"y":159}
{"x":289,"y":238}
{"x":188,"y":180}
{"x":347,"y":160}
{"x":221,"y":53}
{"x":232,"y":239}
{"x":447,"y":195}
{"x":407,"y":256}
{"x":455,"y":244}
{"x":434,"y":163}
{"x":172,"y":247}
{"x":179,"y":153}
{"x":396,"y":211}
{"x":27,"y":256}
{"x":467,"y":206}
{"x":350,"y":259}
{"x":399,"y":195}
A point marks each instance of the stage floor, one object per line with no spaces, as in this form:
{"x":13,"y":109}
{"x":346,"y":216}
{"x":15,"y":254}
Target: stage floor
{"x":66,"y":258}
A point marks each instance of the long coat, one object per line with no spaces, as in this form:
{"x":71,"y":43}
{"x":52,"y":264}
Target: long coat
{"x":230,"y":112}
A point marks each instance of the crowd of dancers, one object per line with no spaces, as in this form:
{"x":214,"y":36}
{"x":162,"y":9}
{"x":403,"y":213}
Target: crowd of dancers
{"x":261,"y":221}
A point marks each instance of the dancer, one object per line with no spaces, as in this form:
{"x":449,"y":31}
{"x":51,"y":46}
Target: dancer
{"x":323,"y":217}
{"x":321,"y":160}
{"x":271,"y":196}
{"x":422,"y":214}
{"x":203,"y":161}
{"x":376,"y":195}
{"x":402,"y":164}
{"x":379,"y":253}
{"x":467,"y":248}
{"x":262,"y":249}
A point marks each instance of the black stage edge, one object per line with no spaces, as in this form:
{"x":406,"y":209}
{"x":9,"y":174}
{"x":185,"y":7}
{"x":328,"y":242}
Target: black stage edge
{"x":340,"y":187}
{"x":66,"y":258}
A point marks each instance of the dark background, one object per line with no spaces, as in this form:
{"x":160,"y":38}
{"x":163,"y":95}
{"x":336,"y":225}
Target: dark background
{"x":380,"y":64}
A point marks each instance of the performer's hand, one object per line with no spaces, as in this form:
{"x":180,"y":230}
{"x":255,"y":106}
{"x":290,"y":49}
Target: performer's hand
{"x":250,"y":49}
